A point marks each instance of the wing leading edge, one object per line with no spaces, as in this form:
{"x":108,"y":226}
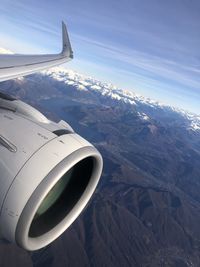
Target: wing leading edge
{"x":13,"y":66}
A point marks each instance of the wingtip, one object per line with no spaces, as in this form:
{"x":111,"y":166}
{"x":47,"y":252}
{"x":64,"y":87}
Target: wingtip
{"x":67,"y":49}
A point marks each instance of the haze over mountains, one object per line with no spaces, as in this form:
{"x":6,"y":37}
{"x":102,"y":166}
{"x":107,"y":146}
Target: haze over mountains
{"x":146,"y":210}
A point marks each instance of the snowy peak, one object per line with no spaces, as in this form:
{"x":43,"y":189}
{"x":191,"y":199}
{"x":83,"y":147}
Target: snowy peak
{"x":193,"y":118}
{"x":85,"y":83}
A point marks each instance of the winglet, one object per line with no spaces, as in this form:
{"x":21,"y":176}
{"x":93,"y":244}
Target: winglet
{"x":67,"y":49}
{"x":13,"y":66}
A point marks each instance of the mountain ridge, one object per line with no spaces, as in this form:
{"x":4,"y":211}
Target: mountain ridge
{"x":85,"y":83}
{"x":146,"y":209}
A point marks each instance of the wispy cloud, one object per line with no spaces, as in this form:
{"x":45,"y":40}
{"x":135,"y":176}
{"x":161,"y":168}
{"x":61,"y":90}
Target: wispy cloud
{"x":147,"y":45}
{"x":152,"y":65}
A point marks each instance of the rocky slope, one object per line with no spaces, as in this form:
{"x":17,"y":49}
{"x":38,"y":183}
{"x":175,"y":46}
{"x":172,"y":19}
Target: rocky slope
{"x":146,"y":209}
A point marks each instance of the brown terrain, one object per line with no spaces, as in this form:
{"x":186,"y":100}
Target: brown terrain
{"x":146,"y":209}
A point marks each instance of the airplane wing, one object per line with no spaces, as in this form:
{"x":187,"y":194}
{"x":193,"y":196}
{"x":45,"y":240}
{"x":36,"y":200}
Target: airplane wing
{"x":13,"y":66}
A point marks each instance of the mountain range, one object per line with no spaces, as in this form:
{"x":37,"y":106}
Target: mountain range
{"x":146,"y":209}
{"x":110,"y":91}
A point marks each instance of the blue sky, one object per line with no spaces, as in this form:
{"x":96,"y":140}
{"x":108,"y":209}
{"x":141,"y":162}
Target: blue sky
{"x":149,"y":46}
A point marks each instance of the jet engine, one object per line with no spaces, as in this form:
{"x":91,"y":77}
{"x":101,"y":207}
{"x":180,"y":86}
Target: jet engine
{"x":48,"y":173}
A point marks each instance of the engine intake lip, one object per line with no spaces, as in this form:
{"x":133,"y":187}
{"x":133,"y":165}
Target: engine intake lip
{"x":31,"y":237}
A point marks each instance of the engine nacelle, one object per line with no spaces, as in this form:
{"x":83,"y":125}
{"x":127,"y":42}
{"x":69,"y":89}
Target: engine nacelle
{"x":48,"y":173}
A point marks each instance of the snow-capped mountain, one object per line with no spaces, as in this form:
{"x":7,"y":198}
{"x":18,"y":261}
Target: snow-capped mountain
{"x":85,"y":83}
{"x":151,"y":170}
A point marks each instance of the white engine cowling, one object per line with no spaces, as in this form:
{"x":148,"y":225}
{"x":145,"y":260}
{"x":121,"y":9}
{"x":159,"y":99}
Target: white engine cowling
{"x":48,"y":173}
